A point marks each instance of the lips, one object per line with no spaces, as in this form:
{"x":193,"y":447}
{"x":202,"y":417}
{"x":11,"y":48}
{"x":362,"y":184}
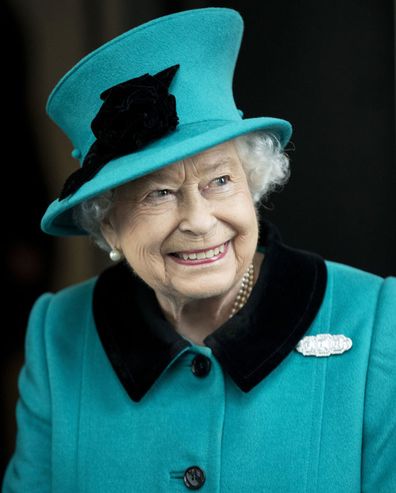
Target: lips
{"x":200,"y":254}
{"x":195,"y":256}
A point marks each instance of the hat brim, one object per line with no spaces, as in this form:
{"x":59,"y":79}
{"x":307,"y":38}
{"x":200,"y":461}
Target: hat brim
{"x":185,"y":141}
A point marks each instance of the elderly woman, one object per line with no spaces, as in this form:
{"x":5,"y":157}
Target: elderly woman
{"x":204,"y":358}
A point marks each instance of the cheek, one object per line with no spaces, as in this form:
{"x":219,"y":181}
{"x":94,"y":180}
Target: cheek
{"x":242,"y":214}
{"x":127,"y":226}
{"x":141,"y":237}
{"x":243,"y":219}
{"x":138,"y":227}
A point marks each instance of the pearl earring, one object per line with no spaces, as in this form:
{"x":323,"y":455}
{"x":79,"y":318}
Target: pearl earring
{"x":115,"y":255}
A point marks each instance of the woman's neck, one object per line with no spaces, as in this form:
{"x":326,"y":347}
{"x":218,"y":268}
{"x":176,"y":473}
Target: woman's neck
{"x":196,"y":319}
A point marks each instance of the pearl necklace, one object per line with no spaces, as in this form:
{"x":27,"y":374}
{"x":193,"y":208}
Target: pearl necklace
{"x":244,"y":290}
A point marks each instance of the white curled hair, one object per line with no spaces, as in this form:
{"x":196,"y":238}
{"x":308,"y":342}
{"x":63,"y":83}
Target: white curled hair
{"x":265,"y":163}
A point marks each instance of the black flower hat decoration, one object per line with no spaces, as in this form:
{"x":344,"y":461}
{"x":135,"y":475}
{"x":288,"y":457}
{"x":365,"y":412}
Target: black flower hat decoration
{"x":134,"y":113}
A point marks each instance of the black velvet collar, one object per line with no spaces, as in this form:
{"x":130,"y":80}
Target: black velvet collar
{"x":140,"y":342}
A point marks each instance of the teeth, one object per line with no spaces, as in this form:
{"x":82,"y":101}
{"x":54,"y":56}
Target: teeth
{"x":202,"y":255}
{"x":191,"y":256}
{"x":210,"y":254}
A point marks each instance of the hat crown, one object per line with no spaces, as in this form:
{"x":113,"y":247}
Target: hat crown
{"x":205,"y":42}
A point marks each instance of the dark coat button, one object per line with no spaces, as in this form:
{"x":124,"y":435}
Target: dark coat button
{"x":201,"y":365}
{"x":194,"y":478}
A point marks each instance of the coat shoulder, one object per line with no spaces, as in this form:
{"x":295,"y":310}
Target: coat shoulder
{"x":352,"y":274}
{"x":74,"y":296}
{"x":346,"y":280}
{"x":359,"y":298}
{"x":69,"y":307}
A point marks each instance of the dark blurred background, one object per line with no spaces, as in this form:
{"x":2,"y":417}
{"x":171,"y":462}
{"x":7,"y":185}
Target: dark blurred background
{"x":327,"y":67}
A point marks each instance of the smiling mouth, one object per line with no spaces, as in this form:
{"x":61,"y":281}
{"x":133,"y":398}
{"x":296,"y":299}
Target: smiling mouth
{"x":210,"y":253}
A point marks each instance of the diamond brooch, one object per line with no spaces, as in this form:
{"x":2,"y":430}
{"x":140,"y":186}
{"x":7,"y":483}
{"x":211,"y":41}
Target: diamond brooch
{"x":324,"y":345}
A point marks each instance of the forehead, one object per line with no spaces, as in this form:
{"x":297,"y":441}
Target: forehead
{"x":202,"y":162}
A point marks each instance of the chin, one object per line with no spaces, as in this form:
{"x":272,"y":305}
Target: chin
{"x":208,"y":289}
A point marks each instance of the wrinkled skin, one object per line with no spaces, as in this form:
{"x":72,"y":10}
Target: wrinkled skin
{"x":197,"y":203}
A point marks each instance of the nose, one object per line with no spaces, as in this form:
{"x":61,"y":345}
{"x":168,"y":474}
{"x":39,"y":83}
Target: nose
{"x":196,"y":214}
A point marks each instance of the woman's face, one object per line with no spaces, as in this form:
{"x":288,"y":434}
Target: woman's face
{"x":190,"y":229}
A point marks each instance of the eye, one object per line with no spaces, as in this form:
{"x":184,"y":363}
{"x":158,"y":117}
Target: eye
{"x":159,"y":195}
{"x":221,"y":180}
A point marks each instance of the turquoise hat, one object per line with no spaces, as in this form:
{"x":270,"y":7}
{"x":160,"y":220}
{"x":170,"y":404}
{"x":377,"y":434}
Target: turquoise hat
{"x":191,"y":56}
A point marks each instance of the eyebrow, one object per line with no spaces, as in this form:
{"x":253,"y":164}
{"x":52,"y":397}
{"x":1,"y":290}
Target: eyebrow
{"x":210,"y":167}
{"x":218,"y":163}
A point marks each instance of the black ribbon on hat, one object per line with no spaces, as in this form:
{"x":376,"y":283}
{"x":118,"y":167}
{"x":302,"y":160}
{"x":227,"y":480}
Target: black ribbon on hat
{"x":134,"y":113}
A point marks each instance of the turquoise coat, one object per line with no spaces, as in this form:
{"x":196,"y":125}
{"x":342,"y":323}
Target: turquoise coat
{"x":113,"y":400}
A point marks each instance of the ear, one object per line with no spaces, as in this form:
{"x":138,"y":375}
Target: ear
{"x":109,"y":233}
